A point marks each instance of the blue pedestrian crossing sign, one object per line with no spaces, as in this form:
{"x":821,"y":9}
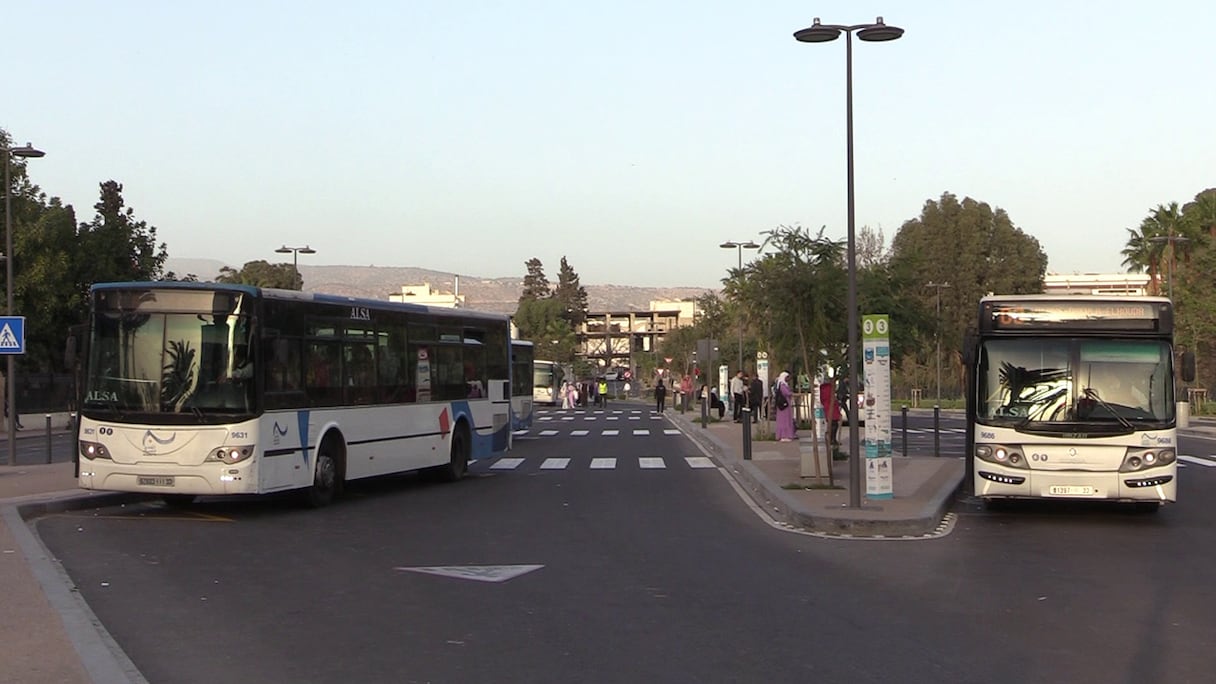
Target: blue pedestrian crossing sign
{"x":12,"y":334}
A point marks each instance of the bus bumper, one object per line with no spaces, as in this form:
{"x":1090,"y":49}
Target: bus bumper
{"x":208,"y":480}
{"x":1155,"y":484}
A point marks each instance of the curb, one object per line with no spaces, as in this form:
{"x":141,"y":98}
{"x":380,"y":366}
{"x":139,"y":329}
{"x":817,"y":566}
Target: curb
{"x":100,"y":656}
{"x":833,"y":521}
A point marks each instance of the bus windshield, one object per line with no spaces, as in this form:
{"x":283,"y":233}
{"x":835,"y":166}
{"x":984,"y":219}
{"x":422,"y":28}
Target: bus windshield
{"x":1076,"y":383}
{"x":170,"y":363}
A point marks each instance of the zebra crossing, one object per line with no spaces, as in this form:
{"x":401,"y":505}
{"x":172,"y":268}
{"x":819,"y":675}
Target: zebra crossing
{"x":510,"y":463}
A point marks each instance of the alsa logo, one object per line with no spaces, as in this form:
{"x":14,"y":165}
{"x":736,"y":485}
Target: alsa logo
{"x":360,"y":313}
{"x":101,"y":395}
{"x":1156,"y":440}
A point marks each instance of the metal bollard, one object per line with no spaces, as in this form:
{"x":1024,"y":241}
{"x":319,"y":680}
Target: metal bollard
{"x":48,"y":438}
{"x":747,"y":434}
{"x":937,"y":430}
{"x":903,"y":429}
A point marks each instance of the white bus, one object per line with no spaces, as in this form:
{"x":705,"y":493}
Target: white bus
{"x":547,"y":377}
{"x":203,"y":389}
{"x":522,"y":353}
{"x":1072,"y":397}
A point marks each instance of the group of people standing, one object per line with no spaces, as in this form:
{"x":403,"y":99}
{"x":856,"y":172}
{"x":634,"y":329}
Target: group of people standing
{"x":573,"y":395}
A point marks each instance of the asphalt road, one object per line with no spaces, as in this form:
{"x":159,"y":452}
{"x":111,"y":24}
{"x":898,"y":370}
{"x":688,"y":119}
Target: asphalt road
{"x":618,"y":570}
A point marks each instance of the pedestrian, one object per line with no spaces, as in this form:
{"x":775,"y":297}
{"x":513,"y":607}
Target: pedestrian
{"x":564,"y":393}
{"x":755,"y":396}
{"x":831,"y":412}
{"x":603,"y":393}
{"x":660,"y":396}
{"x":716,"y":403}
{"x":782,"y":401}
{"x":685,"y":392}
{"x":738,"y":385}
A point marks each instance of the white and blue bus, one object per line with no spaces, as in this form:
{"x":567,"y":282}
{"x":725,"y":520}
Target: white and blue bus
{"x":1072,"y":397}
{"x":522,"y":354}
{"x":209,"y":389}
{"x":547,"y":378}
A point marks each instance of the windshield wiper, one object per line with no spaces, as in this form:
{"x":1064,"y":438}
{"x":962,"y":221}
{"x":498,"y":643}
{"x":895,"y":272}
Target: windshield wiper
{"x":1091,"y":393}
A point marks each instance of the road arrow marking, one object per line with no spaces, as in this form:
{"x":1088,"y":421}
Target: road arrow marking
{"x":478,"y":573}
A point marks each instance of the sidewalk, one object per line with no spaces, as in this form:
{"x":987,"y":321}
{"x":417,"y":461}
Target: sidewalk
{"x":924,"y":485}
{"x":49,"y":633}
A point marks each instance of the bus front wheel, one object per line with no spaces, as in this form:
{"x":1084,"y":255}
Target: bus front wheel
{"x":325,"y":478}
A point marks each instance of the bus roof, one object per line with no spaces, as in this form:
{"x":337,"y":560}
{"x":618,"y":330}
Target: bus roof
{"x":297,"y":295}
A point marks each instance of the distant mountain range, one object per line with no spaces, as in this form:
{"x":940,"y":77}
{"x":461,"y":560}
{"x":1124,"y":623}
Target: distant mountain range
{"x":499,"y":295}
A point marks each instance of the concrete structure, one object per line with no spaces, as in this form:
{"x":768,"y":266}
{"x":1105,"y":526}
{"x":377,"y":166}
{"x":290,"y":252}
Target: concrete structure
{"x":1099,"y":284}
{"x":426,"y":295}
{"x":613,"y":339}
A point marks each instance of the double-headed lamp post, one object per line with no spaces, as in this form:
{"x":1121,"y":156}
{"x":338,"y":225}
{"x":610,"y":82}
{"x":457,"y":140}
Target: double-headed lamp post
{"x":10,"y":375}
{"x":938,"y":335}
{"x":740,"y":246}
{"x":295,"y":253}
{"x":822,"y":33}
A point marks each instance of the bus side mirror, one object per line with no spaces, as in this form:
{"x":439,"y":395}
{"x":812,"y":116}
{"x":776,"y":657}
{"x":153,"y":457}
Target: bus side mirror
{"x":1188,"y":366}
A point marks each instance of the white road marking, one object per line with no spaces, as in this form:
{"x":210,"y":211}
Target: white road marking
{"x":603,"y":463}
{"x":651,"y":463}
{"x":548,"y":433}
{"x":578,"y":433}
{"x":699,"y":462}
{"x":1198,"y":460}
{"x":641,"y":433}
{"x":670,"y":431}
{"x":506,"y":464}
{"x":555,"y":464}
{"x":479,"y":573}
{"x":610,"y":433}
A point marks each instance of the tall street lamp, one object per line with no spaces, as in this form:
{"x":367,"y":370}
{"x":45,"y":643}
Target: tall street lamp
{"x":938,"y":335}
{"x":740,"y":246}
{"x":295,"y":253}
{"x":10,"y":386}
{"x":823,"y":33}
{"x":1169,"y":274}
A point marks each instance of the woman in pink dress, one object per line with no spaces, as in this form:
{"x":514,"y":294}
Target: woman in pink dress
{"x":785,"y":416}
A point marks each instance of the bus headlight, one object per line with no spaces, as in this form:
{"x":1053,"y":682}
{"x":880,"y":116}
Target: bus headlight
{"x":1142,"y":459}
{"x":230,"y":454}
{"x":1001,"y":455}
{"x":92,"y":450}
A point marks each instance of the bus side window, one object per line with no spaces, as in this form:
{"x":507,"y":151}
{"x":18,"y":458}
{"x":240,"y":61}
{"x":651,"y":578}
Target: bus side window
{"x":322,"y":369}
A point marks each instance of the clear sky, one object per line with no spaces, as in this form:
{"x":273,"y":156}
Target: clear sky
{"x":631,"y":136}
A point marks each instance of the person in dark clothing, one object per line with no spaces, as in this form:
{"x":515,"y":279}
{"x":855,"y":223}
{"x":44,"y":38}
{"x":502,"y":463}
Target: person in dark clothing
{"x":755,"y":397}
{"x":660,"y":396}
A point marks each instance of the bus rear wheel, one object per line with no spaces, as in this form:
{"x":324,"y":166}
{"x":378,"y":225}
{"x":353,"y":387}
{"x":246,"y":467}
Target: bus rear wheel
{"x":324,"y":480}
{"x":458,"y":461}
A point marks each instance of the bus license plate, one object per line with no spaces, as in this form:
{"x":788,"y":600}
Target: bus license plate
{"x":156,"y":481}
{"x":1070,"y":490}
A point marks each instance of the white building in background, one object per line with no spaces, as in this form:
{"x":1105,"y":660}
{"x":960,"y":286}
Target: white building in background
{"x":426,"y":295}
{"x":1097,"y":283}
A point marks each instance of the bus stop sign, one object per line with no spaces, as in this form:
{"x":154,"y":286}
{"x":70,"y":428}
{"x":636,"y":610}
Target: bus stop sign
{"x":12,"y":334}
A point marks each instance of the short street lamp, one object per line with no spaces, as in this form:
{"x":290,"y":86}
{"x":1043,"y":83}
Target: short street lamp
{"x":740,"y":246}
{"x":10,"y":388}
{"x":822,"y":33}
{"x":938,"y":335}
{"x":295,"y":253}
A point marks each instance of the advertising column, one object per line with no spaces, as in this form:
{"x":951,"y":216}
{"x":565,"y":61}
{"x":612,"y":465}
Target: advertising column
{"x":876,"y":349}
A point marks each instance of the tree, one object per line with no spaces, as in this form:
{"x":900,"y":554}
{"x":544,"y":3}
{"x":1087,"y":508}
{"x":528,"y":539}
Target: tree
{"x":536,"y":285}
{"x":536,"y":320}
{"x":975,"y":248}
{"x":263,"y":274}
{"x":570,"y":293}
